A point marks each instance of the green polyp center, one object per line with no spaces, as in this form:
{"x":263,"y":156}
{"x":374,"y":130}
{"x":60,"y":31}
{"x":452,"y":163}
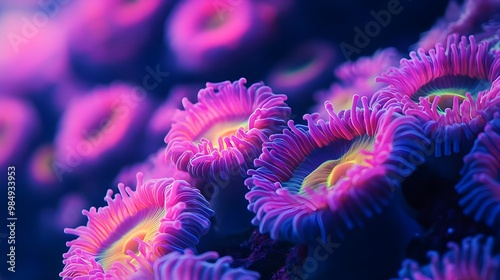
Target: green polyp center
{"x":450,"y":87}
{"x":223,"y":130}
{"x":300,"y":65}
{"x":446,"y":100}
{"x":330,"y":172}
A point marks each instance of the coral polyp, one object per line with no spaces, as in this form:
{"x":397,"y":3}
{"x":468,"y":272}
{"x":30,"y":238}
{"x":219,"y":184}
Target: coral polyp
{"x":204,"y":35}
{"x":41,"y":174}
{"x":480,"y":184}
{"x":87,"y":141}
{"x":159,"y":217}
{"x":328,"y":177}
{"x":472,"y":260}
{"x":303,"y":69}
{"x":221,"y":134}
{"x":448,"y":88}
{"x":109,"y":25}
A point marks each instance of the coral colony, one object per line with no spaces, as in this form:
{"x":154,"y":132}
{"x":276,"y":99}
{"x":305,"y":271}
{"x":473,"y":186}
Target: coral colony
{"x":238,"y":139}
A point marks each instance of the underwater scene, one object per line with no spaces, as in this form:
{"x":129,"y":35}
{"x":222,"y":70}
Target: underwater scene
{"x":250,"y":139}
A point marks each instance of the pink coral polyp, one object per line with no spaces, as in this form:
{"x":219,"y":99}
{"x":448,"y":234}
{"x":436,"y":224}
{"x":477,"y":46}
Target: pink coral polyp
{"x":205,"y":34}
{"x":448,"y":88}
{"x":223,"y":133}
{"x":135,"y":227}
{"x":90,"y":140}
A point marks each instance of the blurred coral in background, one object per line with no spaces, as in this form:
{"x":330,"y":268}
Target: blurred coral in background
{"x":250,"y":139}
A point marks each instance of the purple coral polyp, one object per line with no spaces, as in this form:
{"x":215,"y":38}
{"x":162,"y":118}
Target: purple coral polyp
{"x":291,"y":207}
{"x":480,"y":184}
{"x":221,"y":134}
{"x":472,"y":260}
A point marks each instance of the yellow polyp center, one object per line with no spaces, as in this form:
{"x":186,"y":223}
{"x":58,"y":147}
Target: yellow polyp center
{"x":343,"y":101}
{"x":227,"y":132}
{"x":146,"y":228}
{"x":317,"y":177}
{"x":332,"y":171}
{"x":132,"y":244}
{"x":339,"y":171}
{"x":223,"y":130}
{"x":47,"y":160}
